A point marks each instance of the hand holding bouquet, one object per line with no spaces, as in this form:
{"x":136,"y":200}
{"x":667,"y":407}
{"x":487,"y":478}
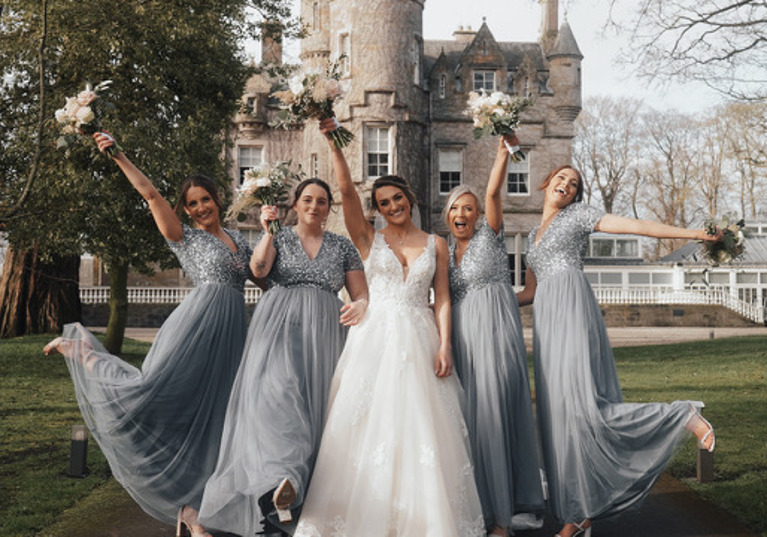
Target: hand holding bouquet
{"x":311,"y":95}
{"x":730,"y":247}
{"x":497,"y":114}
{"x":81,"y":116}
{"x":265,"y":186}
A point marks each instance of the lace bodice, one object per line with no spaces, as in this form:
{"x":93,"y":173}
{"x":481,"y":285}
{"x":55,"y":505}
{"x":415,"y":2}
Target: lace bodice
{"x":563,"y":245}
{"x":206,"y":259}
{"x":327,"y":271}
{"x":484,"y":262}
{"x":385,"y":275}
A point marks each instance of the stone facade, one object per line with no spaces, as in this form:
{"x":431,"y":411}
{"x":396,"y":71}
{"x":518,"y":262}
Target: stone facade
{"x":404,"y":101}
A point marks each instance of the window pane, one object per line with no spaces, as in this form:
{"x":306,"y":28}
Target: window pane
{"x":627,"y":248}
{"x":602,"y":247}
{"x":249,"y":157}
{"x":377,"y":143}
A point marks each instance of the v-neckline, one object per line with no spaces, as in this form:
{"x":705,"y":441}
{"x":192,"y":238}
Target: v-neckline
{"x":301,"y":244}
{"x":220,"y":240}
{"x":538,"y":239}
{"x":405,"y":274}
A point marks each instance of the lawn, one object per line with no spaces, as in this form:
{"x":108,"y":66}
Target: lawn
{"x":38,"y":408}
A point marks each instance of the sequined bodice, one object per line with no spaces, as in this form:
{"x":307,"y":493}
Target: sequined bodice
{"x":485,"y":262}
{"x":293,"y":268}
{"x":386,"y":277}
{"x":563,"y":245}
{"x":206,"y":259}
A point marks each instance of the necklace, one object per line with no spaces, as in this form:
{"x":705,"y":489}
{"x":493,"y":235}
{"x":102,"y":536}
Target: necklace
{"x":401,"y":240}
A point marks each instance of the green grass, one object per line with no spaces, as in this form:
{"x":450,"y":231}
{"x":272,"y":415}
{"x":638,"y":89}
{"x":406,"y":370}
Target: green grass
{"x":38,"y":408}
{"x":37,"y":411}
{"x":730,"y":376}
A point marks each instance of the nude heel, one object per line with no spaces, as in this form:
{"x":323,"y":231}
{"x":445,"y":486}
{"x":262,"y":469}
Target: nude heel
{"x":284,"y":496}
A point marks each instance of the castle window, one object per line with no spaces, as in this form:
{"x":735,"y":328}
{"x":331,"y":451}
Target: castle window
{"x":249,"y":157}
{"x":314,"y":165}
{"x":345,"y":49}
{"x":415,"y":58}
{"x":315,"y":16}
{"x":450,"y":169}
{"x":378,"y":158}
{"x":484,"y":80}
{"x":518,"y":178}
{"x":442,"y":85}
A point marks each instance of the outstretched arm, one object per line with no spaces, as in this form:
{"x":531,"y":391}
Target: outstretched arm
{"x":360,"y":230}
{"x":493,"y":203}
{"x":444,"y":361}
{"x":611,"y":223}
{"x":166,"y":219}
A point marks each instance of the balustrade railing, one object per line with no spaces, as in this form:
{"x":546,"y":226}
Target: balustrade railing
{"x":153,"y":295}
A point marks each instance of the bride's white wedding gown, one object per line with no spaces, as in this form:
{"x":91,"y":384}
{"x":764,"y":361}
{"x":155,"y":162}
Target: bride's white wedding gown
{"x":394,"y":459}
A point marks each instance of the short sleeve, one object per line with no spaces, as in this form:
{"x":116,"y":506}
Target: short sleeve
{"x":182,"y":245}
{"x":352,"y":259}
{"x":586,"y":216}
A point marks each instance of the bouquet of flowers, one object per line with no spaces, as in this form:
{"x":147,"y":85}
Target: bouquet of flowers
{"x":81,"y":116}
{"x":732,"y":244}
{"x":498,"y":114}
{"x":268,"y":185}
{"x":311,"y":95}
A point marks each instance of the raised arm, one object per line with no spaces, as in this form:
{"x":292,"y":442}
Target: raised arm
{"x":444,"y":361}
{"x":493,"y":203}
{"x":360,"y":230}
{"x":264,"y":253}
{"x":526,"y":296}
{"x":611,"y":223}
{"x":166,"y":219}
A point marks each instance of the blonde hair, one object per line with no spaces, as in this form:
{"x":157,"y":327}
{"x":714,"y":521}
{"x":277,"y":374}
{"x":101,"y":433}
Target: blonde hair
{"x":456,"y":193}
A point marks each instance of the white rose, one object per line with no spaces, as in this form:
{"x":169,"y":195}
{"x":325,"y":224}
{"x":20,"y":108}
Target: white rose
{"x":296,"y":84}
{"x":333,"y":88}
{"x":62,"y":116}
{"x":85,"y":115}
{"x":84,"y":98}
{"x":263,"y":182}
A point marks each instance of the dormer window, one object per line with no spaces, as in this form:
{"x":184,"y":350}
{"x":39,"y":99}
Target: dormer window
{"x":484,"y":80}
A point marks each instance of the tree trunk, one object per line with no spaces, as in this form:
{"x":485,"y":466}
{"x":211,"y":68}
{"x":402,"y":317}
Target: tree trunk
{"x":37,"y":297}
{"x":118,"y":308}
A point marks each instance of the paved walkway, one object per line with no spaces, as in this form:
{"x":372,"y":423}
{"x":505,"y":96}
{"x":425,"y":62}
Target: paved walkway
{"x":671,"y":510}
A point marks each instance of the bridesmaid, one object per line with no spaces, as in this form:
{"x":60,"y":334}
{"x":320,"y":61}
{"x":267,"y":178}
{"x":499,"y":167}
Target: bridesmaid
{"x":601,"y":455}
{"x":276,"y":411}
{"x":490,"y":356}
{"x":160,"y":426}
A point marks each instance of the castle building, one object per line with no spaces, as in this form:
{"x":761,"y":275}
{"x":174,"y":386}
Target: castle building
{"x":405,"y":99}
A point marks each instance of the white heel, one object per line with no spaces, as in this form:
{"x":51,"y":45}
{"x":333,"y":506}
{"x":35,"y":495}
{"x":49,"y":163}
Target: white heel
{"x":284,"y":496}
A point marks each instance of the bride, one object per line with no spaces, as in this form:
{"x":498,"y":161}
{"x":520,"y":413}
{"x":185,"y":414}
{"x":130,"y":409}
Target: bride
{"x":394,"y":458}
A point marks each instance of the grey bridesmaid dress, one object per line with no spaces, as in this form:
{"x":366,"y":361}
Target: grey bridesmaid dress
{"x":491,"y":361}
{"x":160,"y":426}
{"x":277,"y":408}
{"x":601,"y":455}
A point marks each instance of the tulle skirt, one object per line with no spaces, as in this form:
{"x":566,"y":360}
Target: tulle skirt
{"x":394,"y":459}
{"x":601,"y":455}
{"x":160,"y":426}
{"x":491,"y":361}
{"x":278,"y":405}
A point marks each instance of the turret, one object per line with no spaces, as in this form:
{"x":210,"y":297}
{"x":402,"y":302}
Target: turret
{"x":549,"y":23}
{"x":565,"y":74}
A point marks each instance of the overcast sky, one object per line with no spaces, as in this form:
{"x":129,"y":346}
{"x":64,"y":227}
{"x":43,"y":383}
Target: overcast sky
{"x":519,"y":20}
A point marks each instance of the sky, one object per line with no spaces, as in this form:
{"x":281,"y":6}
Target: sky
{"x":519,"y":20}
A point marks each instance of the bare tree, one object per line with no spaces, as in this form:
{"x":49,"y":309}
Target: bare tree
{"x":607,"y":146}
{"x":720,"y":43}
{"x":747,"y":150}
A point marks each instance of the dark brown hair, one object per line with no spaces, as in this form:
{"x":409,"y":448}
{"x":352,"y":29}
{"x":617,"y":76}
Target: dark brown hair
{"x":204,"y":182}
{"x":552,"y":174}
{"x":312,"y":181}
{"x":397,"y":182}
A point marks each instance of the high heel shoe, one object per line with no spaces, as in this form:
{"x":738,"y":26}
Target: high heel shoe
{"x":710,"y":432}
{"x":185,"y":529}
{"x":701,"y":422}
{"x":581,"y":529}
{"x":284,"y":496}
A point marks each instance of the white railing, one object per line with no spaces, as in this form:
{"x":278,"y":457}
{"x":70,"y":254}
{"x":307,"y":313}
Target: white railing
{"x":153,"y":295}
{"x":668,"y":295}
